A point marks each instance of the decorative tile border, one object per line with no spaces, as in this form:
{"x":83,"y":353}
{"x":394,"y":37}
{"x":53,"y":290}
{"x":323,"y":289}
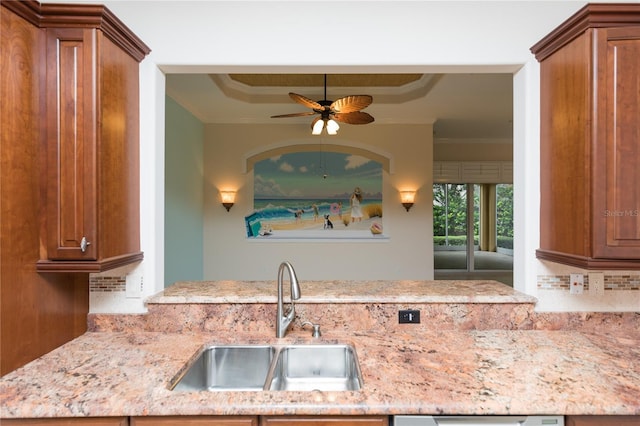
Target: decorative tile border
{"x":554,"y":282}
{"x":99,"y":283}
{"x":611,"y":282}
{"x":622,"y":282}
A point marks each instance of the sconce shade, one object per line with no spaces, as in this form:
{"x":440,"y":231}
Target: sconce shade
{"x":228,"y":199}
{"x":407,"y":198}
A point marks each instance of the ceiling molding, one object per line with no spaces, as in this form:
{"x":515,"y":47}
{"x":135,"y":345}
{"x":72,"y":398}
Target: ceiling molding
{"x":233,"y":89}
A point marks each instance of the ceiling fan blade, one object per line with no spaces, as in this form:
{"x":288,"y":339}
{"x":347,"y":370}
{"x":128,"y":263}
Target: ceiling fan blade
{"x":295,"y":114}
{"x":351,"y":103}
{"x":303,"y":100}
{"x":356,"y":117}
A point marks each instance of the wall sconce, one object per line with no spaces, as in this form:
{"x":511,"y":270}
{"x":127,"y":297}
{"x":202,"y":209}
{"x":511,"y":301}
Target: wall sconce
{"x":228,"y":199}
{"x":407,"y":198}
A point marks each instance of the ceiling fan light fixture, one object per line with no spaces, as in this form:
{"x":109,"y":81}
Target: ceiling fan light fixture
{"x":344,"y":110}
{"x":316,"y":126}
{"x":332,"y":127}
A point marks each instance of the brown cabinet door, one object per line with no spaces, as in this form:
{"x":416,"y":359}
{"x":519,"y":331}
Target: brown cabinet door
{"x":84,"y":421}
{"x":195,"y":421}
{"x":324,"y":420}
{"x":70,"y":140}
{"x":602,"y":421}
{"x":617,"y":189}
{"x":91,"y":143}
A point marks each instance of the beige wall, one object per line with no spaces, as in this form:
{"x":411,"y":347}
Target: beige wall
{"x":406,"y":254}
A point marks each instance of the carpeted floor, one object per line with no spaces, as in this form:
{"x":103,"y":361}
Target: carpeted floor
{"x":481,"y":260}
{"x":452,"y":265}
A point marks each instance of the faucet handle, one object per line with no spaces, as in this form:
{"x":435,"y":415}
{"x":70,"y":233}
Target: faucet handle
{"x":316,"y":329}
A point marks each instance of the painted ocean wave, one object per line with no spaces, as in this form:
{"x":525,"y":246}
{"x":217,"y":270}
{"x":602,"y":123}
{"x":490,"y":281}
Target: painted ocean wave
{"x":287,"y":209}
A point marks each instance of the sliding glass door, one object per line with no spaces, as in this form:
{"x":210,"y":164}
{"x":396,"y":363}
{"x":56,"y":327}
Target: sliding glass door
{"x":473,"y":231}
{"x":453,"y":237}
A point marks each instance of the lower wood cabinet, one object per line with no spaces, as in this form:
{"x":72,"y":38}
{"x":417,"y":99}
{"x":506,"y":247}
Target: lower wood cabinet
{"x":261,"y":421}
{"x":324,"y":420}
{"x":195,"y":421}
{"x":602,"y":421}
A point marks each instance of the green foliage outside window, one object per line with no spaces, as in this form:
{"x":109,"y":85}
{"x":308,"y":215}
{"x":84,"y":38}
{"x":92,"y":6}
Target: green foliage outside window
{"x":450,"y":215}
{"x":504,"y":221}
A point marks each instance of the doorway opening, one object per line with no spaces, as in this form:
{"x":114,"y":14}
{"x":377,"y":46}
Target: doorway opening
{"x":473,"y":231}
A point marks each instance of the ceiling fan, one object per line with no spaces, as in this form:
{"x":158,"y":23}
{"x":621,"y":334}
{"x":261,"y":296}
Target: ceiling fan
{"x":343,"y":110}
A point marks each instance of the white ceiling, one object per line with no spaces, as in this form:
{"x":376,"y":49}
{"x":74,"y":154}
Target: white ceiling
{"x":461,"y":106}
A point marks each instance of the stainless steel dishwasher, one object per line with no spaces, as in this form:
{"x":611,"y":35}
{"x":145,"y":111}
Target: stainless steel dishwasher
{"x":478,"y":420}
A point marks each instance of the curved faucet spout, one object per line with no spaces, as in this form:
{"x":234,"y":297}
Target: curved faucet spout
{"x":284,"y":320}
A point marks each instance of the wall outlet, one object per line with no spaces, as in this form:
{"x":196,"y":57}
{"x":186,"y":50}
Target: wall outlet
{"x":409,"y":316}
{"x":134,"y":286}
{"x":576,"y":284}
{"x":596,"y":283}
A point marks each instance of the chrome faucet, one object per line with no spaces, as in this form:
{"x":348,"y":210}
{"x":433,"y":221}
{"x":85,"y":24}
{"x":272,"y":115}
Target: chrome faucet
{"x":284,"y":320}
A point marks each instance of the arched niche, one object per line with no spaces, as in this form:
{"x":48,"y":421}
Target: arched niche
{"x":376,"y":155}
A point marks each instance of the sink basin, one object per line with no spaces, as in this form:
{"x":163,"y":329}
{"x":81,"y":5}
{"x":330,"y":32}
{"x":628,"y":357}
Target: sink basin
{"x":316,"y":367}
{"x":227,"y":368}
{"x":331,"y":367}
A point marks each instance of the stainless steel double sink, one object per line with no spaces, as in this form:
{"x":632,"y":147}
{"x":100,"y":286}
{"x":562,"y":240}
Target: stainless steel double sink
{"x":326,"y":367}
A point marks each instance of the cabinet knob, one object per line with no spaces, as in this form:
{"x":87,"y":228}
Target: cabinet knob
{"x":84,"y":244}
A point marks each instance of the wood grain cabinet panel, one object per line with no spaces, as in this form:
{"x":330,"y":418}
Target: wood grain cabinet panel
{"x":38,"y":312}
{"x":324,"y":420}
{"x":602,"y":421}
{"x":91,"y":137}
{"x":195,"y":421}
{"x":71,"y":145}
{"x":589,"y":139}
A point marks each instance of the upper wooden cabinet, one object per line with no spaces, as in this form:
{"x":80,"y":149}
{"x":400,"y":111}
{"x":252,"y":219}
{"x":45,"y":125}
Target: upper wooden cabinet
{"x":90,"y":137}
{"x":590,"y":139}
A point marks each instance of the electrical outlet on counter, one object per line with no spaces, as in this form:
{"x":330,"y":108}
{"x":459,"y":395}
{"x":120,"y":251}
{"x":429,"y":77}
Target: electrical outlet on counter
{"x":409,"y":316}
{"x":576,"y":284}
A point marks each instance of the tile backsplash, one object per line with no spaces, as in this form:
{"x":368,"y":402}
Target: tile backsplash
{"x":611,"y":282}
{"x":101,"y":283}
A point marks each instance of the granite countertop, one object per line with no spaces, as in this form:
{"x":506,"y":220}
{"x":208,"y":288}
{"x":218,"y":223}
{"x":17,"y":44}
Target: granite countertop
{"x":451,"y":372}
{"x":477,"y":351}
{"x":401,"y":291}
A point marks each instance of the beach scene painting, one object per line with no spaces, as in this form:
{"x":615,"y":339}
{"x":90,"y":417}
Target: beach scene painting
{"x":316,"y":194}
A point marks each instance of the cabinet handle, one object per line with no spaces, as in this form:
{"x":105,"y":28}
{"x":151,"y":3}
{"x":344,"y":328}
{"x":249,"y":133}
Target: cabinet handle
{"x":84,"y":244}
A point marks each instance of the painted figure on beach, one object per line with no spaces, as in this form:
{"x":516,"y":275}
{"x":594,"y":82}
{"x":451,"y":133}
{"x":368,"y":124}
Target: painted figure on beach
{"x":356,"y":209}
